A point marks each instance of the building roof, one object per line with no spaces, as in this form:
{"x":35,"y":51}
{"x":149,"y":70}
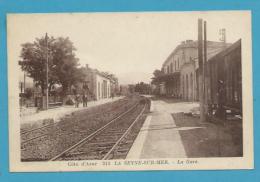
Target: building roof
{"x":109,"y":76}
{"x":193,"y":44}
{"x":166,"y":77}
{"x":226,"y":51}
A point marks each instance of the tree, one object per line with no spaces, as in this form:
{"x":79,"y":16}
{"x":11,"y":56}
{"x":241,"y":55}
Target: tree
{"x":34,"y":61}
{"x":157,"y":73}
{"x":66,"y":64}
{"x":143,"y":88}
{"x":62,"y":65}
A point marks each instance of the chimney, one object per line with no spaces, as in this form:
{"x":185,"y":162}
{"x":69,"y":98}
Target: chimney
{"x":87,"y":66}
{"x":222,"y":33}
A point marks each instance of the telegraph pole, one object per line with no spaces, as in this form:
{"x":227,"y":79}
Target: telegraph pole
{"x":205,"y":73}
{"x":200,"y":59}
{"x":47,"y":72}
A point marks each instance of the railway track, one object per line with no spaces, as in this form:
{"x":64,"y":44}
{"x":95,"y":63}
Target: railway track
{"x":35,"y":129}
{"x":113,"y":140}
{"x":42,"y":131}
{"x":36,"y":133}
{"x":43,"y":143}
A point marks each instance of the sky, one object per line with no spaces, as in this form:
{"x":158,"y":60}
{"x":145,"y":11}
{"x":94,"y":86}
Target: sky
{"x":129,"y":45}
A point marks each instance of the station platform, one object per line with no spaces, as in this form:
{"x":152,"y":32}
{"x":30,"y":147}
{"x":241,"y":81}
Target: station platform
{"x":56,"y":113}
{"x":159,"y":137}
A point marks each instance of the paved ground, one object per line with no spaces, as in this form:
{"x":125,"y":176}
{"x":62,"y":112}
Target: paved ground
{"x":57,"y":113}
{"x":159,"y":136}
{"x":210,"y":139}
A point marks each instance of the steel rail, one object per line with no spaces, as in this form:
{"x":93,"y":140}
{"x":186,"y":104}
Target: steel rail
{"x":25,"y":141}
{"x":45,"y":126}
{"x":92,"y":134}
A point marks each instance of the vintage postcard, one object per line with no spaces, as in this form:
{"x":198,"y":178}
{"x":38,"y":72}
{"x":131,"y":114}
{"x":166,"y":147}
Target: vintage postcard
{"x":130,"y":91}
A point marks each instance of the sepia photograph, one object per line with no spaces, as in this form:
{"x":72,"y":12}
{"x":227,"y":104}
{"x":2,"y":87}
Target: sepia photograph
{"x":130,"y":91}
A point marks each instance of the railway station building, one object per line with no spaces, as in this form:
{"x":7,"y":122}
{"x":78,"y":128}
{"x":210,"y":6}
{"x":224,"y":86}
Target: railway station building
{"x":99,"y":85}
{"x":179,"y":78}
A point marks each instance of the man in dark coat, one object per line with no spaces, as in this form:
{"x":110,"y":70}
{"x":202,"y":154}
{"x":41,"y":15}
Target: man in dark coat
{"x":85,"y":100}
{"x":221,"y":112}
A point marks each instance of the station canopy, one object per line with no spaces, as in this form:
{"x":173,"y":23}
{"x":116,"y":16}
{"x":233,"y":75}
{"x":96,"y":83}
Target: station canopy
{"x":166,"y":77}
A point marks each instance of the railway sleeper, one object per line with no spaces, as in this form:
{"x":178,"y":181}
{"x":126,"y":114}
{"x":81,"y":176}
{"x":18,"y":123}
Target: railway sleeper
{"x":100,"y":143}
{"x":73,"y":154}
{"x":93,"y":149}
{"x":114,"y":133}
{"x":122,"y":150}
{"x":34,"y":138}
{"x":118,"y":156}
{"x":106,"y":138}
{"x":111,"y":134}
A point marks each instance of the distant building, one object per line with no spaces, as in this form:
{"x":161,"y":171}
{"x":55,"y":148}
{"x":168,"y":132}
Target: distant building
{"x":126,"y":89}
{"x":99,"y":85}
{"x":179,"y":78}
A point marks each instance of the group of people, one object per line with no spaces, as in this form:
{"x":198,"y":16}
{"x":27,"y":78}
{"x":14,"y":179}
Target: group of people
{"x":83,"y":98}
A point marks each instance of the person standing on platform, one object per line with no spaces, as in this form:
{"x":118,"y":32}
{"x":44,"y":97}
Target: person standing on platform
{"x":77,"y":100}
{"x":112,"y":95}
{"x":221,"y":112}
{"x":85,"y":100}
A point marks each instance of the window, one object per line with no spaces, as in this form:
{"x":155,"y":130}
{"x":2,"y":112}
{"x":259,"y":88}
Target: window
{"x":183,"y":86}
{"x":98,"y":89}
{"x":187,"y":86}
{"x":191,"y":85}
{"x":105,"y":89}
